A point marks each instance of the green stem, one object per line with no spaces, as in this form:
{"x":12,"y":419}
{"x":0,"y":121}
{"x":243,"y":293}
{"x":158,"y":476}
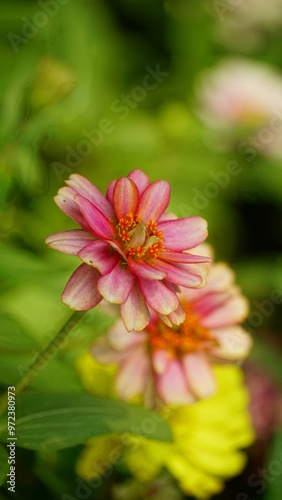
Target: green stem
{"x":44,"y":356}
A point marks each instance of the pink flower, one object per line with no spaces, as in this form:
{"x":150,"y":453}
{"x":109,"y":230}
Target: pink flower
{"x":177,"y":363}
{"x":133,"y":253}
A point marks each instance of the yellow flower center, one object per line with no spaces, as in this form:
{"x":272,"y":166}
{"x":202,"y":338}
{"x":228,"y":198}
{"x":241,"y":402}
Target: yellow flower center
{"x":189,"y":337}
{"x":138,"y":239}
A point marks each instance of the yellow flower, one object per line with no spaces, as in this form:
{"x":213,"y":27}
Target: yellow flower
{"x":206,"y":450}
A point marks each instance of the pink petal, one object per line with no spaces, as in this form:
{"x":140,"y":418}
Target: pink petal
{"x":185,"y":258}
{"x":116,"y":286}
{"x":133,"y":375}
{"x":154,"y":201}
{"x":110,"y":191}
{"x":199,"y":374}
{"x":140,"y":268}
{"x":141,"y":180}
{"x":86,"y":189}
{"x":179,"y":276}
{"x":183,"y":234}
{"x":167,"y":216}
{"x":134,"y":311}
{"x":158,"y":296}
{"x":235,"y":343}
{"x":178,"y":316}
{"x":172,"y":385}
{"x":65,"y":201}
{"x":161,"y":359}
{"x":234,"y":310}
{"x":125,"y":197}
{"x":220,"y":277}
{"x":103,"y":353}
{"x":97,"y":222}
{"x":70,"y":242}
{"x":121,"y":340}
{"x":81,"y":291}
{"x":100,"y":255}
{"x":209,"y":302}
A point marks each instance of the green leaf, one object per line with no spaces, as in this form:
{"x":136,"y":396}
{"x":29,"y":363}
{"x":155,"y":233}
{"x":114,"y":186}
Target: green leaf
{"x":60,"y":421}
{"x":4,"y":466}
{"x":273,"y":477}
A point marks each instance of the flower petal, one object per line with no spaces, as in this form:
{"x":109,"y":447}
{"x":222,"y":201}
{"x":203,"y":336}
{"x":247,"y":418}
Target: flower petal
{"x":199,"y":374}
{"x":96,"y":220}
{"x":179,"y":276}
{"x":140,"y":268}
{"x":167,"y":216}
{"x":100,"y":255}
{"x":133,"y":375}
{"x":70,"y":242}
{"x":141,"y":180}
{"x":158,"y":296}
{"x":235,"y":343}
{"x":172,"y":385}
{"x":65,"y":201}
{"x":234,"y":310}
{"x":154,"y":201}
{"x":116,"y":286}
{"x":185,"y":258}
{"x":103,"y":353}
{"x":160,"y":360}
{"x":125,"y":197}
{"x":183,"y":234}
{"x":134,"y":311}
{"x":178,"y":316}
{"x":120,"y":340}
{"x":81,"y":291}
{"x":86,"y":189}
{"x":110,"y":191}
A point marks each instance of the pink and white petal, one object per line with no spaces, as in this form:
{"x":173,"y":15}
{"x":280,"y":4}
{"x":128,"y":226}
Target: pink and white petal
{"x":234,"y":343}
{"x":140,"y":268}
{"x":121,"y":340}
{"x":177,"y":275}
{"x":178,"y":316}
{"x":221,"y":277}
{"x":96,"y":220}
{"x":103,"y":353}
{"x":154,"y":201}
{"x":81,"y":292}
{"x":172,"y":385}
{"x":65,"y":201}
{"x":133,"y":375}
{"x":234,"y":310}
{"x":86,"y":189}
{"x":199,"y":374}
{"x":70,"y":242}
{"x":160,"y":360}
{"x":125,"y":197}
{"x":116,"y":286}
{"x":183,"y":234}
{"x":211,"y":301}
{"x":168,"y":216}
{"x":99,"y":254}
{"x":117,"y":246}
{"x":183,"y":257}
{"x":141,"y":180}
{"x":134,"y":311}
{"x":110,"y":191}
{"x":158,"y":296}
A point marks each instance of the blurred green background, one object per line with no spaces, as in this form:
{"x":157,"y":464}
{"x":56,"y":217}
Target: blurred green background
{"x":72,"y":69}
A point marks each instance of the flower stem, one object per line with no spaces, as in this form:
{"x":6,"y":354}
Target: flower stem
{"x":43,"y":358}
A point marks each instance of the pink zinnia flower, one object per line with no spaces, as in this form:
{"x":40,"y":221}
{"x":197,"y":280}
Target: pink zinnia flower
{"x":133,"y":253}
{"x":177,"y":363}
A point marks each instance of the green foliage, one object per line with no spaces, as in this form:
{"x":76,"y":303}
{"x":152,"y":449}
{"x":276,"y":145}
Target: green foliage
{"x":61,"y":421}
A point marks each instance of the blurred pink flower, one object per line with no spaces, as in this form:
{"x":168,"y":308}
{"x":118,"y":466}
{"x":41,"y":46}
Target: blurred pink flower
{"x":176,"y":363}
{"x":133,"y":253}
